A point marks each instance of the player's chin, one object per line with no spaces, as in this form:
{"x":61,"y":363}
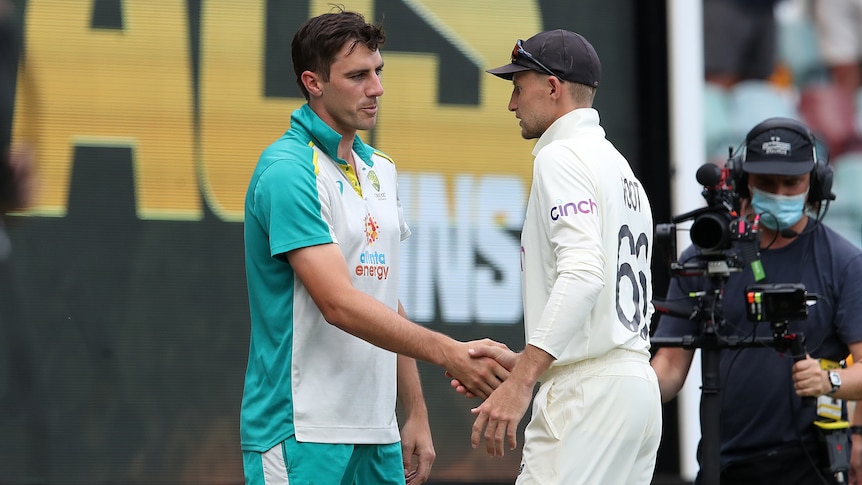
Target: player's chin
{"x":367,"y":123}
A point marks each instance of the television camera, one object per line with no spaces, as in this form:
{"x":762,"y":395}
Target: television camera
{"x":726,"y":239}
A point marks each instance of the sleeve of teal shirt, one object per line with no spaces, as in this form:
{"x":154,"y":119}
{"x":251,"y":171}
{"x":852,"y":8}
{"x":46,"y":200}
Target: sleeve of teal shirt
{"x":292,"y":207}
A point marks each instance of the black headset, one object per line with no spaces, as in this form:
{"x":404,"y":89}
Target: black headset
{"x":821,"y":175}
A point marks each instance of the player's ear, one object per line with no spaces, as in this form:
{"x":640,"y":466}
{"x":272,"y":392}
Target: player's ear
{"x":312,"y":83}
{"x":556,"y":86}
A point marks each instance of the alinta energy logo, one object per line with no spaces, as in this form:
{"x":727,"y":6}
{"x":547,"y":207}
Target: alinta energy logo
{"x":372,"y":263}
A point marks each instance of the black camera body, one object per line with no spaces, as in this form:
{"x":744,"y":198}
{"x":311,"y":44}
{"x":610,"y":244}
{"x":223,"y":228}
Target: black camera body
{"x":726,"y":239}
{"x":716,"y":227}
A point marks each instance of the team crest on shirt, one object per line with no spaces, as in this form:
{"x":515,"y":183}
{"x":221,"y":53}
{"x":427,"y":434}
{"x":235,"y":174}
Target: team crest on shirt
{"x":375,"y":182}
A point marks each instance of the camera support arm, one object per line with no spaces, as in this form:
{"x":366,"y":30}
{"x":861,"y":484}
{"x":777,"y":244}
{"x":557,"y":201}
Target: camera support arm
{"x":707,"y":311}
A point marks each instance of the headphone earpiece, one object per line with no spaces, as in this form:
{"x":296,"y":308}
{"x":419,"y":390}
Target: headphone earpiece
{"x":821,"y":182}
{"x":735,"y":176}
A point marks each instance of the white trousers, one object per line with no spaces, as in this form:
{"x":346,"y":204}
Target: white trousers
{"x":595,"y":422}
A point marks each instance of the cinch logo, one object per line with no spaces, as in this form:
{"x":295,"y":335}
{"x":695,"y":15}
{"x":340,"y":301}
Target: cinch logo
{"x":573,"y":208}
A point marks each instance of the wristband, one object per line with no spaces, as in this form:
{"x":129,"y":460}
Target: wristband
{"x":856,"y":429}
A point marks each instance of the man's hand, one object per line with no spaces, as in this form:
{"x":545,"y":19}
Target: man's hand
{"x":479,"y":375}
{"x":496,"y":351}
{"x":498,"y":417}
{"x":416,"y":441}
{"x":809,"y":380}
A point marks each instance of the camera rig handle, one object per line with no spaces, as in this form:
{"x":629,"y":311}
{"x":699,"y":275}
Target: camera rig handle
{"x":795,"y":343}
{"x":797,"y":346}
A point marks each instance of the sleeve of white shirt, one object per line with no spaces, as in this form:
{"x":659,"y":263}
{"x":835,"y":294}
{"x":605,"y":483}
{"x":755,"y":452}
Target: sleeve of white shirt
{"x":577,"y":247}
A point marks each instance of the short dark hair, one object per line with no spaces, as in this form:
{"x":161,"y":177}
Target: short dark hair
{"x":320,"y":38}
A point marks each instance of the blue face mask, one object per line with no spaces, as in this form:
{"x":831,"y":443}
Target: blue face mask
{"x":778,"y":211}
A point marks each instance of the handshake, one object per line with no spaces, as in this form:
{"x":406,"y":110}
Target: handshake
{"x":491,"y":363}
{"x":505,"y":380}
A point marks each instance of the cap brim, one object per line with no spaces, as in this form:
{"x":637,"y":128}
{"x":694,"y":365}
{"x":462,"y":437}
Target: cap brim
{"x":777,"y":168}
{"x":508,"y":71}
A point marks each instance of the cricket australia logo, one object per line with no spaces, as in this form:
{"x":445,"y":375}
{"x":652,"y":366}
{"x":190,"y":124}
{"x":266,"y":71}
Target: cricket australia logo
{"x":375,"y":182}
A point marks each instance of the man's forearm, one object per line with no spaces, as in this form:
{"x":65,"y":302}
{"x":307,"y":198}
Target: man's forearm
{"x":531,"y":364}
{"x":409,"y":385}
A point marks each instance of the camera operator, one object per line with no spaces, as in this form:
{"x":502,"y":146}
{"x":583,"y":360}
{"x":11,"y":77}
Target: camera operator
{"x":767,"y":430}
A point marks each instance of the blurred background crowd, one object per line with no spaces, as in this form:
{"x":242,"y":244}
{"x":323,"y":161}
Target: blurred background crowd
{"x":795,"y":58}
